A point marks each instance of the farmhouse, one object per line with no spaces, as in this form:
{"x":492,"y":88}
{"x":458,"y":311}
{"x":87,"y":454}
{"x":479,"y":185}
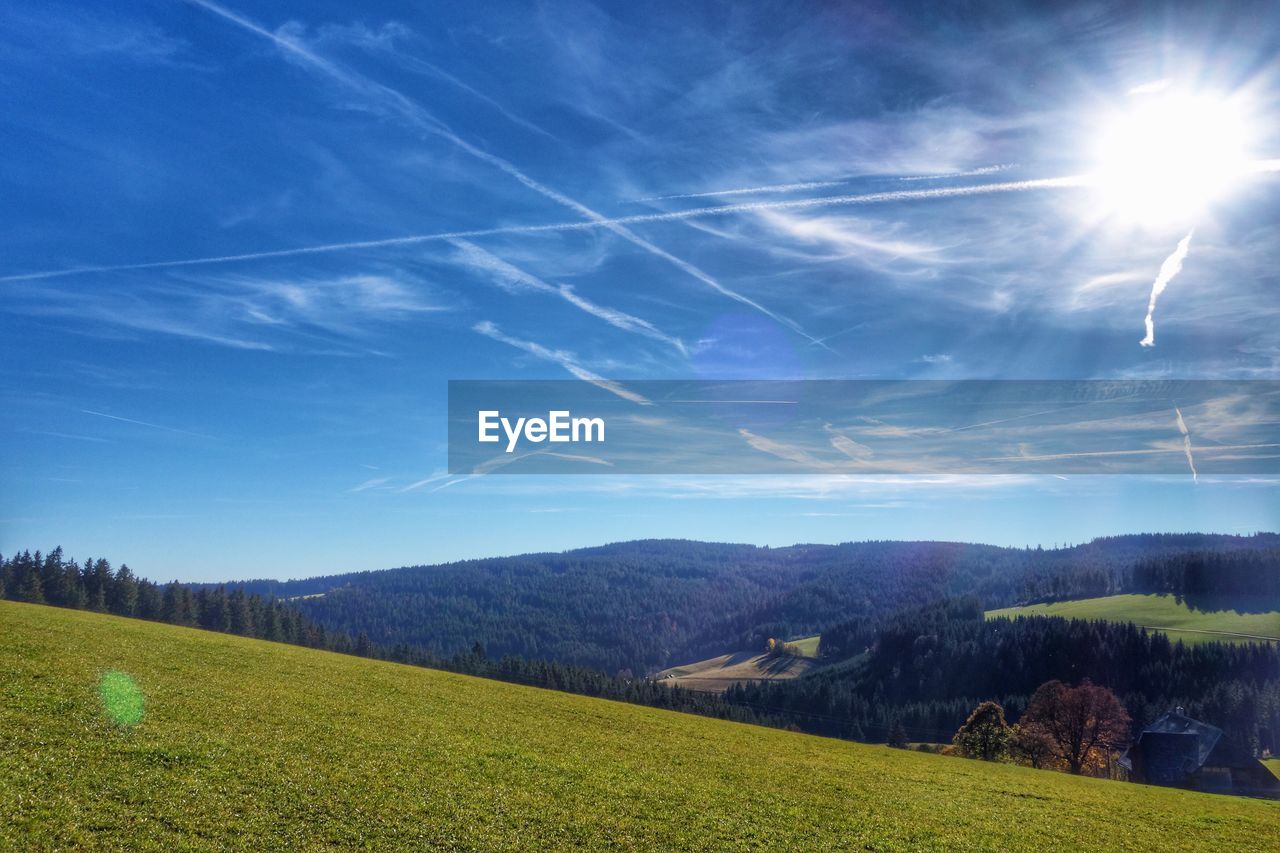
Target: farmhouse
{"x":1181,"y":752}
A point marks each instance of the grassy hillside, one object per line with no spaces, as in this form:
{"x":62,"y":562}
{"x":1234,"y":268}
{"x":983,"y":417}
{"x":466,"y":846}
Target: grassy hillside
{"x":250,"y":744}
{"x":1162,"y":612}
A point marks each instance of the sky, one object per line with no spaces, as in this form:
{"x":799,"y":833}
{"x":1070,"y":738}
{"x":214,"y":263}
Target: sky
{"x":246,"y":246}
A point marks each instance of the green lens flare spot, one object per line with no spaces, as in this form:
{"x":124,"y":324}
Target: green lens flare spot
{"x":121,"y":698}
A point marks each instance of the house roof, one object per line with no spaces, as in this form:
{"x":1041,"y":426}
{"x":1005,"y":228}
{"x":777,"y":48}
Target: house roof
{"x":1176,"y":723}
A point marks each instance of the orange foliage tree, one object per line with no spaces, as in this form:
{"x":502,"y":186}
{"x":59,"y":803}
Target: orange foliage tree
{"x":1085,"y":724}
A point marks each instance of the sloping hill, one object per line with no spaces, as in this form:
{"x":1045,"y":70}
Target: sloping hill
{"x":249,"y":744}
{"x":1162,"y":613}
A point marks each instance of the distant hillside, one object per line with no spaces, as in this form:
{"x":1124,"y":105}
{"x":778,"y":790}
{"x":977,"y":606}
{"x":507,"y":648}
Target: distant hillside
{"x":642,"y":606}
{"x":1164,"y":613}
{"x":224,"y":741}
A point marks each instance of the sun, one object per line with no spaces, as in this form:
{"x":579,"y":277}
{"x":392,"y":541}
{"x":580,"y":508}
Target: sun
{"x":1169,"y":155}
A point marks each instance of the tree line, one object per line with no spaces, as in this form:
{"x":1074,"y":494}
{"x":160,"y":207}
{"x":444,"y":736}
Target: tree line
{"x":1213,"y":579}
{"x":638,"y":607}
{"x":93,"y":585}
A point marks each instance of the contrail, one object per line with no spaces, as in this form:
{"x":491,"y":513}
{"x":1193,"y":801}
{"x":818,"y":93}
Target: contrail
{"x":1048,"y":457}
{"x":145,"y":424}
{"x":1171,"y":267}
{"x":515,"y":280}
{"x":413,"y":487}
{"x":564,"y":359}
{"x":767,"y":188}
{"x":985,"y":170}
{"x":782,"y":450}
{"x":621,"y":319}
{"x":425,"y":121}
{"x":817,"y":185}
{"x":368,"y":484}
{"x":420,"y":64}
{"x":1186,"y":444}
{"x":1067,"y":182}
{"x":847,"y":446}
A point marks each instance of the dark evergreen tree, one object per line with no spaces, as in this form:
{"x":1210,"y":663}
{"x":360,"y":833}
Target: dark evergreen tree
{"x":123,"y":598}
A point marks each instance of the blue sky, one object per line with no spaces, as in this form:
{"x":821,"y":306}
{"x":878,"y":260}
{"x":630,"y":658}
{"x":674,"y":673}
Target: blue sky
{"x":512,"y":191}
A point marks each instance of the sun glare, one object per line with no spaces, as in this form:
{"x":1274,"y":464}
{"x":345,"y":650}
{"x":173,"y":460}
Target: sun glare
{"x":1169,"y":156}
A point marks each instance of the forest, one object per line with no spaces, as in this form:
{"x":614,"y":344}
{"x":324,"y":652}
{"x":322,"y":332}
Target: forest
{"x":93,"y":585}
{"x":633,"y":608}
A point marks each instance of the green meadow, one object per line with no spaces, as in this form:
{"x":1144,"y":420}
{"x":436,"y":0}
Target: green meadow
{"x":204,"y":740}
{"x":1163,"y":613}
{"x":807,"y":646}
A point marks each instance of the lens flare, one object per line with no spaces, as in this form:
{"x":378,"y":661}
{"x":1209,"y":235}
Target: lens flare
{"x":1170,"y":155}
{"x":121,"y":698}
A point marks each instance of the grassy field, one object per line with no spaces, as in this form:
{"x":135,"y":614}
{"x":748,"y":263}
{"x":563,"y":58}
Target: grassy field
{"x":719,"y":673}
{"x":1164,"y":613}
{"x":723,"y":671}
{"x":808,"y":646}
{"x":248,"y":744}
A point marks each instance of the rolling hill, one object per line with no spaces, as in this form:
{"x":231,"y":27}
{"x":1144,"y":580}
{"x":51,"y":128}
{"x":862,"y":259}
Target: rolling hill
{"x":1163,"y":613}
{"x":233,"y":742}
{"x":643,"y":606}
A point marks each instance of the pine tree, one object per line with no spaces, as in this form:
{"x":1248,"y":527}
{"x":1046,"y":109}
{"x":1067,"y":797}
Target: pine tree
{"x":31,"y":590}
{"x":240,"y":614}
{"x":123,"y":599}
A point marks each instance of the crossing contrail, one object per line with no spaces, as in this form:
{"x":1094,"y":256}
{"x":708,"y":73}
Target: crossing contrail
{"x":422,"y":119}
{"x":1168,"y":270}
{"x":1067,"y":182}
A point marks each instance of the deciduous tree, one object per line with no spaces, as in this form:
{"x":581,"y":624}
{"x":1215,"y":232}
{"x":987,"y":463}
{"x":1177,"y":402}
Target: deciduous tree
{"x":1084,"y":723}
{"x":985,"y":735}
{"x":1032,"y":744}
